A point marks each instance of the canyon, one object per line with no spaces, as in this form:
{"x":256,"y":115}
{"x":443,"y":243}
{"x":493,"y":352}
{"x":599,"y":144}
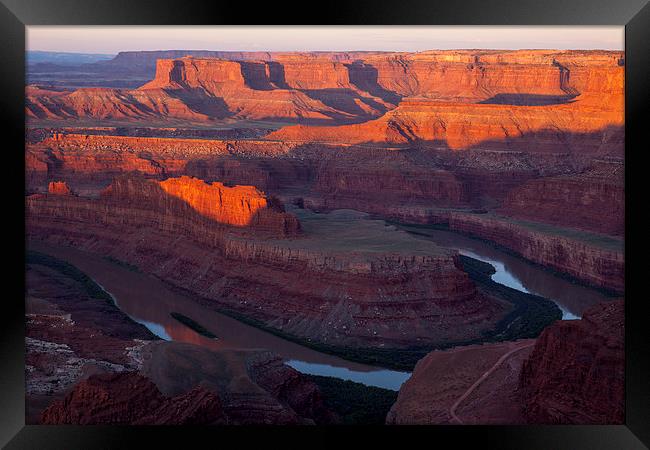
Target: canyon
{"x":73,"y":326}
{"x":569,"y":375}
{"x":292,"y":191}
{"x":415,"y":187}
{"x":264,"y":262}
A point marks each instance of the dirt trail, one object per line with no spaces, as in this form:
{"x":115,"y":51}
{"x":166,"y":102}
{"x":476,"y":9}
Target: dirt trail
{"x":452,"y":410}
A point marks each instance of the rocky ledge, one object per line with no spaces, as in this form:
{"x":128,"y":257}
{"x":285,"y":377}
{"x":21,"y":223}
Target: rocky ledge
{"x":340,"y":281}
{"x":89,"y":363}
{"x":592,"y":258}
{"x":572,"y":374}
{"x":576,"y":372}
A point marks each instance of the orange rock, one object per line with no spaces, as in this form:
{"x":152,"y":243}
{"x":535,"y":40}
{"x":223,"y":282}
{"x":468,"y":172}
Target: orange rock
{"x":237,"y":205}
{"x":58,"y":188}
{"x":579,"y":126}
{"x":191,"y":199}
{"x":347,"y":87}
{"x":265,"y":270}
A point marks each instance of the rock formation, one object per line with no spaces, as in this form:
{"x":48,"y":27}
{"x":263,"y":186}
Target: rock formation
{"x":576,"y":372}
{"x":144,"y":62}
{"x":130,"y":399}
{"x":237,"y":206}
{"x":254,"y":387}
{"x":87,"y":362}
{"x":320,"y":284}
{"x":412,"y":186}
{"x":572,"y":374}
{"x":179,"y":163}
{"x":570,"y":127}
{"x":352,"y":87}
{"x":491,"y":100}
{"x":58,"y":188}
{"x":595,"y":199}
{"x":594,"y":259}
{"x":467,"y":385}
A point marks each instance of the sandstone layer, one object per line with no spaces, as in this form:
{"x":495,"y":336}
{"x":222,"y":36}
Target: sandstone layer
{"x":89,"y":363}
{"x":525,"y":134}
{"x":593,"y":200}
{"x":341,"y":280}
{"x":524,"y":149}
{"x":592,"y":258}
{"x":185,"y":197}
{"x":466,"y":385}
{"x":59,"y":187}
{"x":576,"y":372}
{"x":572,"y":127}
{"x":339,"y":88}
{"x":412,"y":186}
{"x":130,"y":399}
{"x":572,"y":374}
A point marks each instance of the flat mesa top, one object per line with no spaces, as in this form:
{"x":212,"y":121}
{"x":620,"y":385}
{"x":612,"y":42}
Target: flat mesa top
{"x":354,"y":232}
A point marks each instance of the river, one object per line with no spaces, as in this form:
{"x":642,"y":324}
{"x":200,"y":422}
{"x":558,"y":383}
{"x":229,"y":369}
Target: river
{"x":129,"y":288}
{"x":515,"y":272}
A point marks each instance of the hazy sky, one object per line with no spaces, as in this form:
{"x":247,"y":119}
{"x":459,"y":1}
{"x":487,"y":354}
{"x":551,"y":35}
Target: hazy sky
{"x":94,"y":39}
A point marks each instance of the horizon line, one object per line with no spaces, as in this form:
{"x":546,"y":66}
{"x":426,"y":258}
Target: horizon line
{"x":336,"y":51}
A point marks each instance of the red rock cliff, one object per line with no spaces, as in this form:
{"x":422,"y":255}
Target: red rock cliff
{"x":131,"y":399}
{"x":557,"y":128}
{"x":58,"y":188}
{"x":535,"y":100}
{"x":308,"y":286}
{"x":238,"y":206}
{"x":593,"y":200}
{"x":594,"y":259}
{"x":576,"y":372}
{"x":351,"y":87}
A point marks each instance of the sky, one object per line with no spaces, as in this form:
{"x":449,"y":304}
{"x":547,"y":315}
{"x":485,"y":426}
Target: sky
{"x":111,"y":40}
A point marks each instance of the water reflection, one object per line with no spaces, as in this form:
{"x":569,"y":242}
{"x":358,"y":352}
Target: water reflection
{"x":572,"y":299}
{"x":388,"y":379}
{"x":503,"y":276}
{"x":148,"y":301}
{"x":156,"y":329}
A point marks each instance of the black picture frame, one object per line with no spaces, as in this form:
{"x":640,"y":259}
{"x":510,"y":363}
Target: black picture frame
{"x":16,"y":14}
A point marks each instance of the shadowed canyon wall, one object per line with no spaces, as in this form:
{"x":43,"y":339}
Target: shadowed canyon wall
{"x":339,"y":88}
{"x":572,"y":374}
{"x":297,"y":285}
{"x":525,"y":134}
{"x":576,"y":371}
{"x":595,"y":259}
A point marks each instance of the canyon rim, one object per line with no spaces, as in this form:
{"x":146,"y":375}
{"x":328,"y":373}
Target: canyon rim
{"x":316,"y":237}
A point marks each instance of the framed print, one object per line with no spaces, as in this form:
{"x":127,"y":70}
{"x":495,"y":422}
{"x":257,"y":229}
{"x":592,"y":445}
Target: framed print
{"x":400,"y":222}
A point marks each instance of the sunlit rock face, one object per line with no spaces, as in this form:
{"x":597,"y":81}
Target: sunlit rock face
{"x":434,"y":137}
{"x":329,"y":282}
{"x":58,"y":188}
{"x":237,"y":206}
{"x":354,"y":87}
{"x":176,"y":203}
{"x":566,"y":127}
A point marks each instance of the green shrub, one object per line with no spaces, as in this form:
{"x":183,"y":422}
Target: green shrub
{"x":355,"y":403}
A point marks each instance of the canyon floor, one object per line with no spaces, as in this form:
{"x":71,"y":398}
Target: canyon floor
{"x":293,"y":238}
